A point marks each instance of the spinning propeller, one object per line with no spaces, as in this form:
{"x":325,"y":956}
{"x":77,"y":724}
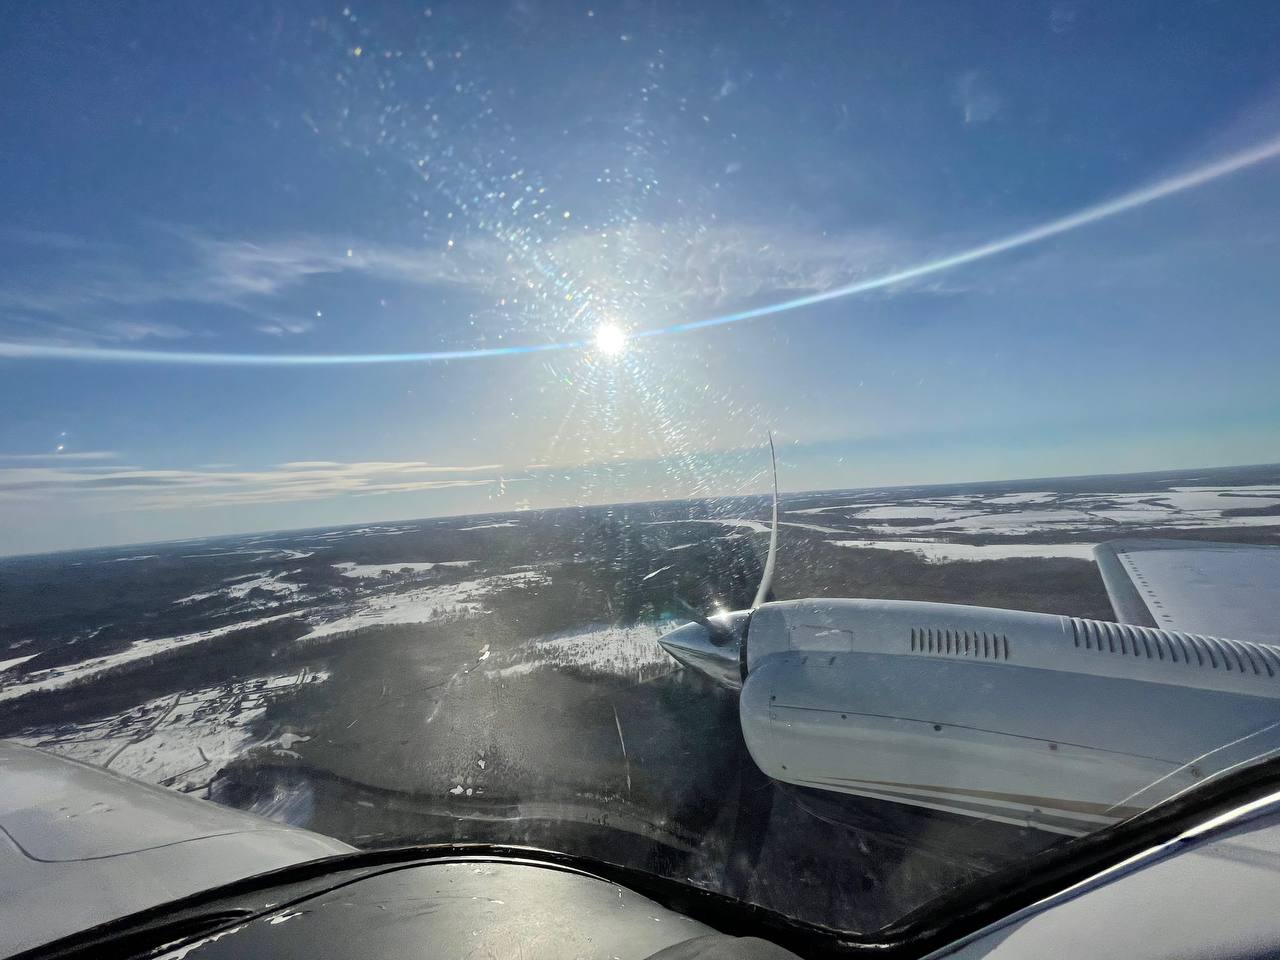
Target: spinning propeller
{"x":716,"y":645}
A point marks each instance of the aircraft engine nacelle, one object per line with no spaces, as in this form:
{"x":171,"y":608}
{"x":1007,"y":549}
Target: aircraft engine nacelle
{"x":1061,"y":723}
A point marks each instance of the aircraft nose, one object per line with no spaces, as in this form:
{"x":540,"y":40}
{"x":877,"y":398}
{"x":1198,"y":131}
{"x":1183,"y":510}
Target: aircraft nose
{"x":694,"y":646}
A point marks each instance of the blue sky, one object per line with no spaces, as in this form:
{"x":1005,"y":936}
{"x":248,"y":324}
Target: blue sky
{"x":329,"y":180}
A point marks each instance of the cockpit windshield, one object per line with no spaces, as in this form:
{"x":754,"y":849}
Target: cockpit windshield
{"x":385,"y":386}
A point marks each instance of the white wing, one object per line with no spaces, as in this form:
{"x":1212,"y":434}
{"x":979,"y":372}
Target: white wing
{"x":80,"y":846}
{"x":1220,"y":589}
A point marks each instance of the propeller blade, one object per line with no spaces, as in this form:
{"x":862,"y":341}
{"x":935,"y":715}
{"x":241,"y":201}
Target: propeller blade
{"x":766,"y":579}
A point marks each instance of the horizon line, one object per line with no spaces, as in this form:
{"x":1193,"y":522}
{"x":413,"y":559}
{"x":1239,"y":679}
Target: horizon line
{"x":5,"y":557}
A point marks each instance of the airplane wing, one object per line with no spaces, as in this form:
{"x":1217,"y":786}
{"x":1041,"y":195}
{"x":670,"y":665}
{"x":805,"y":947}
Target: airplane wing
{"x":80,"y":846}
{"x":1219,"y":589}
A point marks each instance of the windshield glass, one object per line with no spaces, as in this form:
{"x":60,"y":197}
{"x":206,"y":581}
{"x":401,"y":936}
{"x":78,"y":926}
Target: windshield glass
{"x":381,"y":381}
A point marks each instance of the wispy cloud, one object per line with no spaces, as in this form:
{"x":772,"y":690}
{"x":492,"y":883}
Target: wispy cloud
{"x":642,"y":268}
{"x":194,"y":268}
{"x":233,"y":270}
{"x":106,"y":294}
{"x":131,"y":487}
{"x":76,"y":327}
{"x":285,"y":328}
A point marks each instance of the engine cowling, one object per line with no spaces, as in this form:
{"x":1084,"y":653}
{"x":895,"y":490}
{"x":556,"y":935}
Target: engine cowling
{"x":1061,"y":723}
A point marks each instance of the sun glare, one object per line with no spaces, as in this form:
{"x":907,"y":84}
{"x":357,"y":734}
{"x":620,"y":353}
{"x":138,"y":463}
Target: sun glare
{"x":610,"y":340}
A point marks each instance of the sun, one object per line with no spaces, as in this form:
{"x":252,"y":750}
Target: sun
{"x":610,"y":340}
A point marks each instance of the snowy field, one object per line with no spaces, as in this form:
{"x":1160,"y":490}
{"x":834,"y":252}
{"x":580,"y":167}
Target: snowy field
{"x":630,"y":652}
{"x":971,"y":527}
{"x":363,"y":570}
{"x":178,"y":741}
{"x":936,"y":552}
{"x":54,"y":677}
{"x":426,"y":604}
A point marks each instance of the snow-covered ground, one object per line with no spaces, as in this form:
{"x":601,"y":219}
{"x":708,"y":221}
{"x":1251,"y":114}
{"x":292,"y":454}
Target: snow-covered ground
{"x":937,"y":552}
{"x":376,"y":530}
{"x":239,"y":587}
{"x":1019,"y":522}
{"x":848,"y":504}
{"x":16,"y":661}
{"x":363,"y":570}
{"x":54,"y":677}
{"x":916,"y":510}
{"x":266,"y":554}
{"x":622,"y":651}
{"x":1011,"y":498}
{"x":180,"y":741}
{"x":1219,"y":498}
{"x":816,"y":528}
{"x":422,"y":605}
{"x":1191,"y":507}
{"x":1021,"y":514}
{"x":1109,"y":514}
{"x":425,"y":604}
{"x":924,"y":525}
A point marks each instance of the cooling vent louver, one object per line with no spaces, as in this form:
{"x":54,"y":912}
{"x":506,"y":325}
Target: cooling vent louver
{"x":1193,"y":650}
{"x":979,"y":645}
